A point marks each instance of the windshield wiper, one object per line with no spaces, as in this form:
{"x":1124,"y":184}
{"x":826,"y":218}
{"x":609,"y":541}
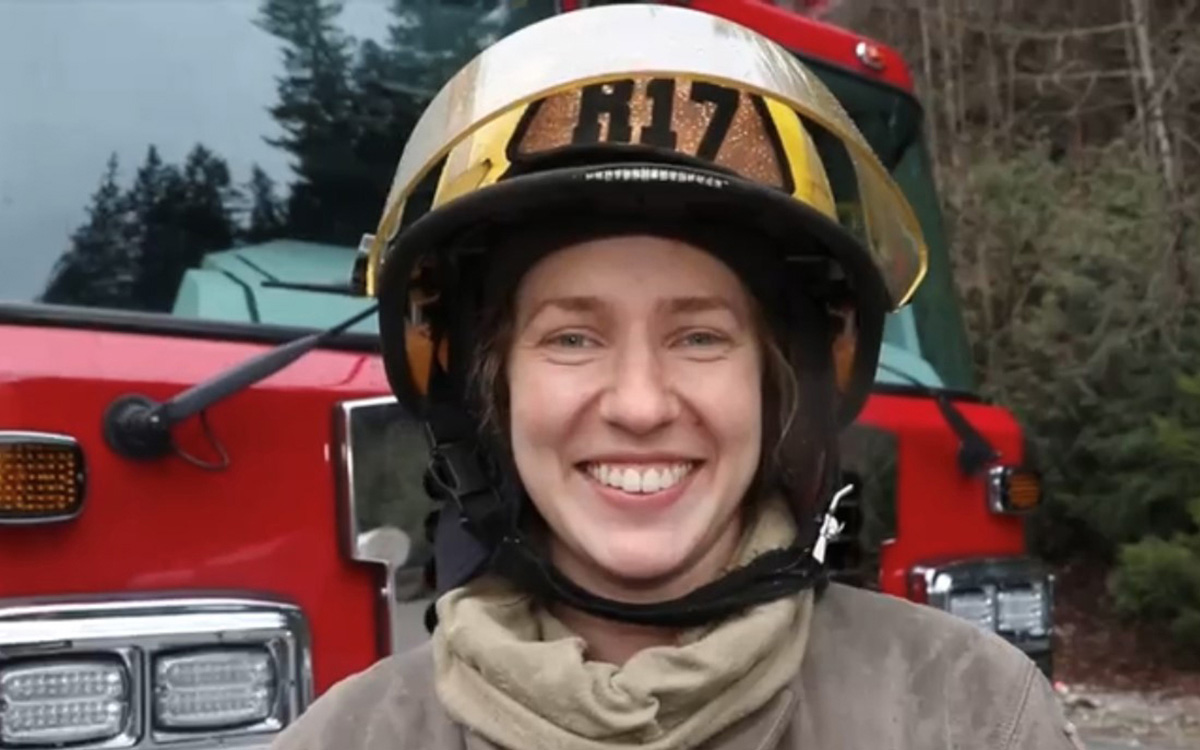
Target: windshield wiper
{"x":975,"y":453}
{"x":139,"y":427}
{"x":274,"y":282}
{"x":348,"y":290}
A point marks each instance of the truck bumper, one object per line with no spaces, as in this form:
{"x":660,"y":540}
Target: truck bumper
{"x":1010,"y":596}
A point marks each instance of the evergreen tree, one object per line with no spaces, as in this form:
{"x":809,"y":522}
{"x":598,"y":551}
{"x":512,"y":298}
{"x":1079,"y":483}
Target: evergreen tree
{"x":346,"y":112}
{"x":150,"y":182}
{"x":99,"y":269}
{"x":178,"y":216}
{"x":384,"y":115}
{"x":431,"y":39}
{"x":267,"y":217}
{"x":315,"y":111}
{"x":209,"y":194}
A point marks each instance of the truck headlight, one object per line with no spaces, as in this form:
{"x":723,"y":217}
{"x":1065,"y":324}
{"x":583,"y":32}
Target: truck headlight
{"x":1023,"y":609}
{"x":1012,"y":597}
{"x":214,"y":689}
{"x":978,"y":606}
{"x":55,"y":702}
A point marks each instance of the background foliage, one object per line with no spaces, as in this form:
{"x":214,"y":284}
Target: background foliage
{"x":1067,"y":141}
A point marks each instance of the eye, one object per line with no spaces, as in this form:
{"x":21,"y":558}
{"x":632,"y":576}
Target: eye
{"x":570,"y":340}
{"x":702,"y":339}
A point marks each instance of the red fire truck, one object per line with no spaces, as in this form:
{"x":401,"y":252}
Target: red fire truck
{"x":207,"y":518}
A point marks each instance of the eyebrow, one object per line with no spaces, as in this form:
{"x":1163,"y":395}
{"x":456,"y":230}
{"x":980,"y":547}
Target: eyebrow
{"x":674,"y":305}
{"x":569,"y":304}
{"x":575,"y":304}
{"x":699,"y":304}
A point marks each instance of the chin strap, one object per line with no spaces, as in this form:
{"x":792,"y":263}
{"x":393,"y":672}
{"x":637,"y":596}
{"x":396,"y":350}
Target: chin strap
{"x":771,"y":576}
{"x":470,"y":519}
{"x":477,"y":529}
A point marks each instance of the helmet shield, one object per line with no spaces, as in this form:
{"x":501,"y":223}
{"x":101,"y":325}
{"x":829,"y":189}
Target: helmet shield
{"x":682,"y":86}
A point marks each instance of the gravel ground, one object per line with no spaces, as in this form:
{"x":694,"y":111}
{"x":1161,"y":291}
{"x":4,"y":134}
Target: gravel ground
{"x":1109,"y":720}
{"x":1110,"y":744}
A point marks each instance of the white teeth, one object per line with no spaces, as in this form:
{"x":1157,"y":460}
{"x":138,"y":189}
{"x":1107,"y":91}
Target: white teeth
{"x":631,"y":480}
{"x":634,"y":480}
{"x":650,"y":481}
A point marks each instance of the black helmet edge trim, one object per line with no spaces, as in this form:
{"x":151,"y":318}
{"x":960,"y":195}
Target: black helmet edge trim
{"x":632,"y":188}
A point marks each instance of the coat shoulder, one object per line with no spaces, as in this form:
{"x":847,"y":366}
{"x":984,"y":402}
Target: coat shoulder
{"x":926,"y":675}
{"x":869,"y":622}
{"x":391,"y":705}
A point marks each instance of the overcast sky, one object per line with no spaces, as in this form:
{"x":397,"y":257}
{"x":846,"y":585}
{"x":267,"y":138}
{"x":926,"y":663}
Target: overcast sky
{"x":80,"y":79}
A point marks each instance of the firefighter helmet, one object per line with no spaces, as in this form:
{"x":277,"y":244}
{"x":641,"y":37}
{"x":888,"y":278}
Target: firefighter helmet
{"x":687,"y":116}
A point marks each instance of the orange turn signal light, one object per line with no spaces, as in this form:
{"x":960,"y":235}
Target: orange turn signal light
{"x":1013,"y":490}
{"x":42,"y":477}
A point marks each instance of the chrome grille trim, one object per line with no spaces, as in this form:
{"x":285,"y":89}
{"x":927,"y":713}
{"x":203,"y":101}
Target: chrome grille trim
{"x":400,"y":552}
{"x":138,"y":627}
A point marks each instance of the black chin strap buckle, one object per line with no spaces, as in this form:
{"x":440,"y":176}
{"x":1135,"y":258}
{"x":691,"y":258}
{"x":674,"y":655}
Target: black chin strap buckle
{"x":458,"y":472}
{"x":456,"y":469}
{"x":468,"y":519}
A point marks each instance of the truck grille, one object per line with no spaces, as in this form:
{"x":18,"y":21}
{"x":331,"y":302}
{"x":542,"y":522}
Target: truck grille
{"x":150,"y":671}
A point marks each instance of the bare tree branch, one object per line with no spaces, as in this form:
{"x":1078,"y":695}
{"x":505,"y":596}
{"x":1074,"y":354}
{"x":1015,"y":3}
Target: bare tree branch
{"x":1087,"y":76}
{"x":927,"y":58}
{"x":1158,"y":123}
{"x":1058,"y":35}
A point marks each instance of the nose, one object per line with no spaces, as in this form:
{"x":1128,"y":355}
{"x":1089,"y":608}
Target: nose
{"x":639,"y":397}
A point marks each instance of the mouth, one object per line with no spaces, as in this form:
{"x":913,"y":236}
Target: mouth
{"x":640,"y":479}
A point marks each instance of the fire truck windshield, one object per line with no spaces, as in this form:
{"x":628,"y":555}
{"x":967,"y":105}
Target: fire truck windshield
{"x":210,"y":166}
{"x":932,"y":327}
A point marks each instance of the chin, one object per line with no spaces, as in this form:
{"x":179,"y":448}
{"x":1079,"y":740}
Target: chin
{"x":641,"y":553}
{"x":639,"y":562}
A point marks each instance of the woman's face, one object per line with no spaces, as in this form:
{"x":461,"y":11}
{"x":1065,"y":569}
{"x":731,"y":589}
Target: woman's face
{"x":635,"y":393}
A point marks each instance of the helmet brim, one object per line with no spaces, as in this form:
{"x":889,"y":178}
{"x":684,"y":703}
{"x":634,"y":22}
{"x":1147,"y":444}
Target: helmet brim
{"x":664,"y":192}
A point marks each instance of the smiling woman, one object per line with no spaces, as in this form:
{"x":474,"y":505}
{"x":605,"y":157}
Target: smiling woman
{"x":647,"y":395}
{"x":612,"y":397}
{"x":654,"y":273}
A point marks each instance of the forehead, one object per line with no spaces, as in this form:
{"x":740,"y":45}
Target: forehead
{"x":630,"y":268}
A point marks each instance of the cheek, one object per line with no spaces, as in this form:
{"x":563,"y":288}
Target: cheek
{"x":739,"y":429}
{"x":540,"y":408}
{"x":729,"y":401}
{"x":740,"y":423}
